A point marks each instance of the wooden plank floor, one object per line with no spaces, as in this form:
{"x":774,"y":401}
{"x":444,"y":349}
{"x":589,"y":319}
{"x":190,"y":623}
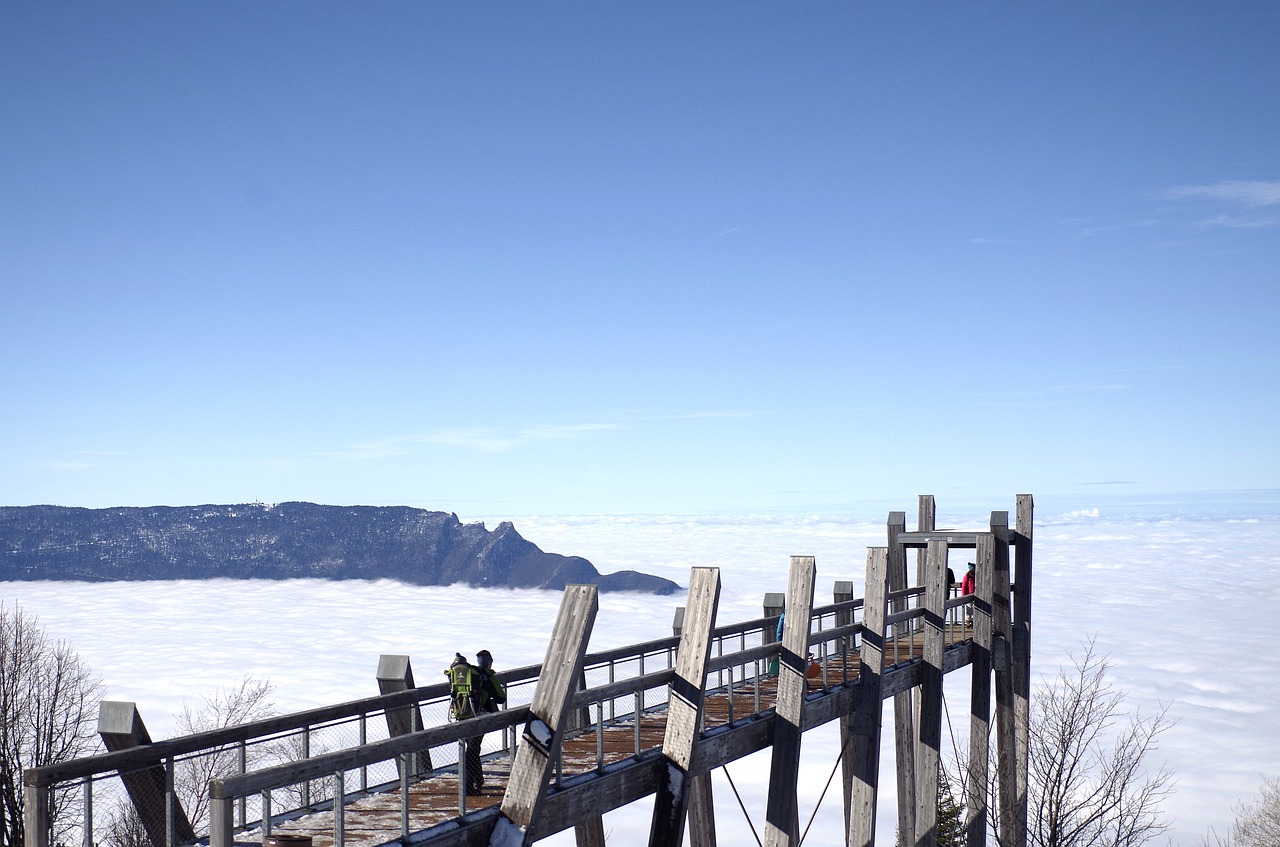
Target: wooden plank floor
{"x":375,"y":819}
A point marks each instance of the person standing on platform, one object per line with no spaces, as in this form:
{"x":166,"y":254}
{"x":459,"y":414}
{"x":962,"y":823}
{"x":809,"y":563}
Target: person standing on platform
{"x":967,"y":586}
{"x":476,"y":691}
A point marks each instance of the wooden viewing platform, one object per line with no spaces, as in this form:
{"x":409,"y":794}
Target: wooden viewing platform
{"x":376,"y":819}
{"x":587,"y":733}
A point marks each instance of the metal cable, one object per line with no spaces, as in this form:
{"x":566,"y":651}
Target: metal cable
{"x":742,"y":805}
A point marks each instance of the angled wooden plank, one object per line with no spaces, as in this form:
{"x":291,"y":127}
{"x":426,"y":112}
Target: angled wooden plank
{"x":548,"y":715}
{"x":980,"y":695}
{"x":862,"y":728}
{"x":781,"y":826}
{"x":684,"y":707}
{"x":395,"y":673}
{"x":929,"y":722}
{"x":122,"y":727}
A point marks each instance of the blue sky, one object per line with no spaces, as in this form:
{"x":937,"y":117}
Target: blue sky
{"x":595,"y":258}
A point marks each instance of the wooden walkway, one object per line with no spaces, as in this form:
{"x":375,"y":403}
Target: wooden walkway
{"x":376,"y":819}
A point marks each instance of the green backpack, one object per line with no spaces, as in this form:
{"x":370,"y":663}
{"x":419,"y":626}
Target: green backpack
{"x":462,"y":693}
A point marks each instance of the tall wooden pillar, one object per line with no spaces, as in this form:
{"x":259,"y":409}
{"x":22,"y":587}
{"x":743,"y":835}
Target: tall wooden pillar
{"x":684,"y":711}
{"x":842,"y":592}
{"x":549,"y":714}
{"x":782,"y":821}
{"x":903,"y":706}
{"x":980,"y":694}
{"x":860,"y":731}
{"x":1016,"y":824}
{"x":1002,"y":623}
{"x":929,"y":723}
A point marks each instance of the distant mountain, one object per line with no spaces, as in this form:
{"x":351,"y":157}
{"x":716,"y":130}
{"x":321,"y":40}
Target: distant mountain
{"x":286,"y":541}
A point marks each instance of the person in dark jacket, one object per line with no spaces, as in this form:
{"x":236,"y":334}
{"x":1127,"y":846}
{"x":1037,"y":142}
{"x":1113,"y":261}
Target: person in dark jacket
{"x":476,"y":691}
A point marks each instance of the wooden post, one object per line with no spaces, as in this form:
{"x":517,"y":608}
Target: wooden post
{"x":121,"y":727}
{"x":842,"y":592}
{"x":548,"y":715}
{"x":36,"y":816}
{"x":702,"y":812}
{"x":1002,"y":626}
{"x":1021,"y":665}
{"x":903,"y":708}
{"x":395,"y":674}
{"x":684,"y":709}
{"x":782,"y":823}
{"x":929,"y":725}
{"x":589,"y":833}
{"x":860,"y":731}
{"x":221,"y":826}
{"x":774,"y":603}
{"x":980,"y":694}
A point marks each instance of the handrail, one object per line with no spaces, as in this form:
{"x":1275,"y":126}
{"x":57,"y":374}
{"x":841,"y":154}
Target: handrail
{"x":290,"y":773}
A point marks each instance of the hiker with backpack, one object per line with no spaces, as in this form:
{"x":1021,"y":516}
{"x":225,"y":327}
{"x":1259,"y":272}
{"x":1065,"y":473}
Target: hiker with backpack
{"x":474,"y":690}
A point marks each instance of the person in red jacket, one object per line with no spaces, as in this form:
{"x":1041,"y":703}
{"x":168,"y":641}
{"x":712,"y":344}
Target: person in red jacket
{"x":967,"y":586}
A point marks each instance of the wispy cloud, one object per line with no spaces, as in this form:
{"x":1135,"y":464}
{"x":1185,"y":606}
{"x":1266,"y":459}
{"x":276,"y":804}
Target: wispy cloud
{"x":1239,"y":192}
{"x":482,"y":439}
{"x":1241,"y":222}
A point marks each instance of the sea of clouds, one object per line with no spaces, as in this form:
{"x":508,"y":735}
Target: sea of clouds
{"x":1180,"y":593}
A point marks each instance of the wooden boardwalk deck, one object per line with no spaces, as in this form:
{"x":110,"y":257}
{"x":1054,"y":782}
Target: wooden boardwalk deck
{"x":376,"y":819}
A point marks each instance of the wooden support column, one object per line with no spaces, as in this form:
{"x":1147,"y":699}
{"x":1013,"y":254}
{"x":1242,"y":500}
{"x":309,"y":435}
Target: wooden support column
{"x":589,"y":833}
{"x":684,"y":712}
{"x":1021,"y":666}
{"x":37,"y":820}
{"x":903,"y":706}
{"x":774,"y":603}
{"x":929,"y":723}
{"x":980,"y":694}
{"x":782,"y":821}
{"x":548,"y":716}
{"x":860,"y":731}
{"x":121,"y":727}
{"x":395,"y":673}
{"x":1002,"y":623}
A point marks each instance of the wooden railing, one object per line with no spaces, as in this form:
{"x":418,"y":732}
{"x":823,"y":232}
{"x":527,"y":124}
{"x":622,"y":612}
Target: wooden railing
{"x":906,"y":639}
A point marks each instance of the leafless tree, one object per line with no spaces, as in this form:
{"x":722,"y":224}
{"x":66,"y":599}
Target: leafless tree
{"x":247,"y":702}
{"x":1258,"y":821}
{"x":48,"y":708}
{"x":1089,"y":784}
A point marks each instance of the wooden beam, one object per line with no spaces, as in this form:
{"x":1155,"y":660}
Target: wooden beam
{"x":782,"y":822}
{"x":37,"y":818}
{"x":956,"y":539}
{"x":860,"y":731}
{"x":590,"y":833}
{"x":929,"y":724}
{"x":1020,"y":664}
{"x":1002,"y":623}
{"x":121,"y":728}
{"x":980,"y":695}
{"x":548,"y":713}
{"x":684,"y":708}
{"x":903,"y":706}
{"x":702,"y":812}
{"x":395,"y":674}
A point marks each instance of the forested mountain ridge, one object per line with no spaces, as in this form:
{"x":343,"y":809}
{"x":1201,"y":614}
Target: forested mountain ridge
{"x":286,"y":541}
